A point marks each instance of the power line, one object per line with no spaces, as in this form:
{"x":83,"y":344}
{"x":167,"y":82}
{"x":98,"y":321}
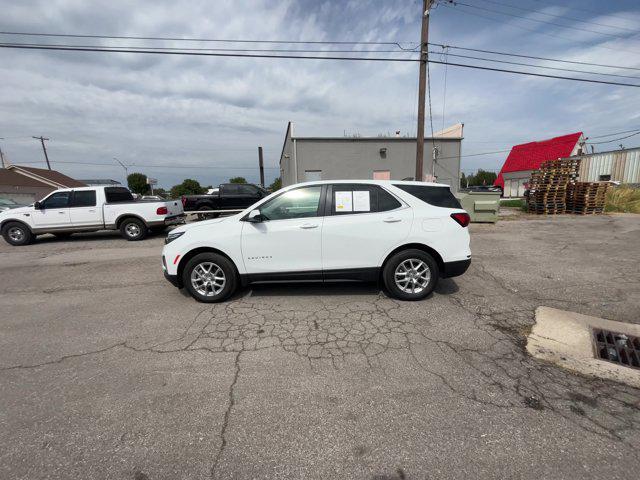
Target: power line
{"x":189,"y":49}
{"x":455,"y":2}
{"x":562,"y":16}
{"x":303,"y":57}
{"x":540,"y":66}
{"x":211,"y":40}
{"x":533,"y":57}
{"x":144,"y":165}
{"x":537,"y":32}
{"x":617,"y":133}
{"x":614,"y":140}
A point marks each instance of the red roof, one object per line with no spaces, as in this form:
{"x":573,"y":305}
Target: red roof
{"x":529,"y":156}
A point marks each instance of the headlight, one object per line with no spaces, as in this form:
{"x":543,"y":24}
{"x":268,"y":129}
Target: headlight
{"x":172,"y":236}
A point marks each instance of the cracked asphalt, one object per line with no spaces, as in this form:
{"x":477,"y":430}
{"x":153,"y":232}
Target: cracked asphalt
{"x":107,"y":371}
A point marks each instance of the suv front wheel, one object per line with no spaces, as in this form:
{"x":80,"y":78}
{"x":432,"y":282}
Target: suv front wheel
{"x":210,"y":277}
{"x":410,"y":274}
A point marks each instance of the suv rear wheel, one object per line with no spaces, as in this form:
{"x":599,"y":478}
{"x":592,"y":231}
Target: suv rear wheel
{"x":410,"y":274}
{"x":17,"y":234}
{"x":210,"y":277}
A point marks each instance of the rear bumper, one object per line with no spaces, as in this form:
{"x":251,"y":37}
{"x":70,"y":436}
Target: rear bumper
{"x":455,"y":269}
{"x":173,"y":220}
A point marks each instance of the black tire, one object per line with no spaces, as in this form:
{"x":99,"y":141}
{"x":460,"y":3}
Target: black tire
{"x":417,"y":257}
{"x":133,"y":229}
{"x":206,"y":216}
{"x":157,"y":230}
{"x":17,"y":234}
{"x":227,"y":267}
{"x":62,"y":235}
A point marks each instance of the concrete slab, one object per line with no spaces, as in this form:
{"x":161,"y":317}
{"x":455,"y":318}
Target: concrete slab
{"x":566,"y":339}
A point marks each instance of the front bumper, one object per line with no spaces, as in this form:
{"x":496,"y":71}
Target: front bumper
{"x":173,"y":280}
{"x":455,"y":269}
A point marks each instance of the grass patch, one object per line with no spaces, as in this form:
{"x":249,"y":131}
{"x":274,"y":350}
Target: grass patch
{"x":515,"y":203}
{"x":623,"y":199}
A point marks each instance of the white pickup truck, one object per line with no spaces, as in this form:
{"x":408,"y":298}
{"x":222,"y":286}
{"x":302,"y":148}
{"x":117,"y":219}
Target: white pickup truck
{"x":89,"y":209}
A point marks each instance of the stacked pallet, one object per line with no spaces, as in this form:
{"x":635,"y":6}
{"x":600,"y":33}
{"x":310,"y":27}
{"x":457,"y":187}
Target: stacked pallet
{"x":549,"y":185}
{"x":587,"y":198}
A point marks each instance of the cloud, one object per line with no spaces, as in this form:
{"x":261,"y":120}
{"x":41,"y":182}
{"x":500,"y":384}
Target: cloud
{"x":214,"y":112}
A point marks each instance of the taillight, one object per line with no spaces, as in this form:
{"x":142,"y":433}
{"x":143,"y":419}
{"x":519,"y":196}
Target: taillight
{"x":462,"y":218}
{"x":162,"y":210}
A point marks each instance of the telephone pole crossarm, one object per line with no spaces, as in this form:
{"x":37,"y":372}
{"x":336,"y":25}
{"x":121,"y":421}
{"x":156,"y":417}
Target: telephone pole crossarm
{"x":44,"y":149}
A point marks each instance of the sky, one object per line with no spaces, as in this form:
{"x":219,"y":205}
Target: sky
{"x":208,"y":115}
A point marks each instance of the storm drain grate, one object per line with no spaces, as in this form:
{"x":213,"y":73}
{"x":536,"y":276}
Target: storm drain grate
{"x":618,"y":348}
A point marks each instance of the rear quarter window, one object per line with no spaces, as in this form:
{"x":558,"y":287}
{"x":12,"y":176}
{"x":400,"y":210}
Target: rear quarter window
{"x":436,"y":196}
{"x":117,"y":195}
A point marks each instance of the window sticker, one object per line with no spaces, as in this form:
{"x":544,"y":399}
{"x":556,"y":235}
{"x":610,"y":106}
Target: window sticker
{"x":361,"y":201}
{"x":344,"y":202}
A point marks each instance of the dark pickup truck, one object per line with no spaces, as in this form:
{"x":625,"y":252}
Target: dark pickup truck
{"x":230,"y":196}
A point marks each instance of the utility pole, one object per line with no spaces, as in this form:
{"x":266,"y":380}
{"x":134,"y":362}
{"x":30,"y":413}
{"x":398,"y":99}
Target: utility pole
{"x":1,"y":155}
{"x":424,"y":47}
{"x":126,"y":171}
{"x":261,"y":165}
{"x":44,"y":149}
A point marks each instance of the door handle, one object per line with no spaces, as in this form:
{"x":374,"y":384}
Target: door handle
{"x":62,"y":213}
{"x":392,"y":220}
{"x":308,"y":226}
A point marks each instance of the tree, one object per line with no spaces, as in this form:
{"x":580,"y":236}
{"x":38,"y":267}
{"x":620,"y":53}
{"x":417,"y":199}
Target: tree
{"x":482,"y":177}
{"x":276,"y":185}
{"x":463,"y":180}
{"x":160,"y":192}
{"x":238,"y":180}
{"x":137,"y":183}
{"x":187,"y":187}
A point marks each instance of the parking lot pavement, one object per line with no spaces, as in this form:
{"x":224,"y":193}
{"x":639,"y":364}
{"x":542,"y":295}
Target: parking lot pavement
{"x":107,"y":371}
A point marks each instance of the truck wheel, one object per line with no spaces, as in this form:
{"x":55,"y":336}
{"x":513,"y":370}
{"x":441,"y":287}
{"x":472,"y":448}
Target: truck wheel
{"x":210,"y":278}
{"x":133,"y":229}
{"x":410,"y":274}
{"x":206,"y":216}
{"x":17,"y":234}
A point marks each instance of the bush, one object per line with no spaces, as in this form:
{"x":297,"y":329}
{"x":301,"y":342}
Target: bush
{"x":623,"y":199}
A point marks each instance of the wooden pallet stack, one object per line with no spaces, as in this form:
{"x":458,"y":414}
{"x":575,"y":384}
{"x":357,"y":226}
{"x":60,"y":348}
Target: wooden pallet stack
{"x":587,"y":198}
{"x":549,"y":185}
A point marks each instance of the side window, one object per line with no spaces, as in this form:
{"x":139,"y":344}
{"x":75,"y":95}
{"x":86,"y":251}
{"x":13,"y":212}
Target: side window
{"x":57,"y":200}
{"x":248,"y":190}
{"x":118,"y":195}
{"x":386,"y":201}
{"x":299,"y":203}
{"x":84,"y":198}
{"x":231,"y":189}
{"x":436,"y":196}
{"x":350,"y":198}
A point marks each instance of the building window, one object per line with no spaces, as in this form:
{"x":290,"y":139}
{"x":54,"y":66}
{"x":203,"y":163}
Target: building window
{"x":312,"y":175}
{"x":605,"y":178}
{"x":382,"y":175}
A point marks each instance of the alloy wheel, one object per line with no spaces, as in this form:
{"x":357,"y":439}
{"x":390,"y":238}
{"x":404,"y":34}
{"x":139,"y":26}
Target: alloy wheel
{"x":208,"y":279}
{"x":412,"y":276}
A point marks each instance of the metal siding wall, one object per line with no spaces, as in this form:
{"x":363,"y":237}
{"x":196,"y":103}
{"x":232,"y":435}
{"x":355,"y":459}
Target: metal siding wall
{"x":623,"y":166}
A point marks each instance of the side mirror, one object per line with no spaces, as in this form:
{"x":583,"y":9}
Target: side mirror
{"x":255,"y":216}
{"x":37,"y":206}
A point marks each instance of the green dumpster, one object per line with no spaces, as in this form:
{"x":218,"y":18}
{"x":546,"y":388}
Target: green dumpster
{"x":481,"y":206}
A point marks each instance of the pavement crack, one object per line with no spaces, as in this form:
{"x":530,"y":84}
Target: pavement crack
{"x":227,"y":414}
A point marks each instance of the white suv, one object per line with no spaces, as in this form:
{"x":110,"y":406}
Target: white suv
{"x":408,"y":234}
